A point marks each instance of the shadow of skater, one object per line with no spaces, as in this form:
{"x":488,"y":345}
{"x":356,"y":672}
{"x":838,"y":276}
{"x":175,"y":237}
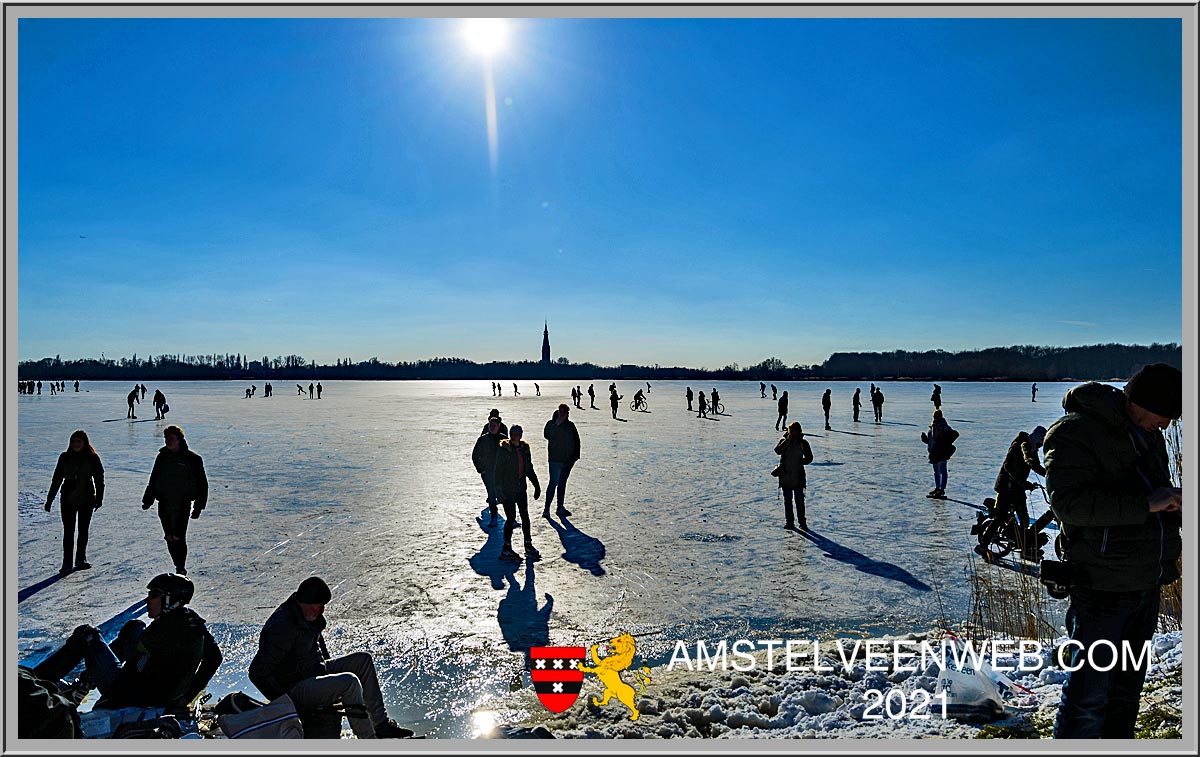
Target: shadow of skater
{"x":487,"y":562}
{"x":864,"y":563}
{"x":579,"y":548}
{"x":522,"y":624}
{"x":32,"y":589}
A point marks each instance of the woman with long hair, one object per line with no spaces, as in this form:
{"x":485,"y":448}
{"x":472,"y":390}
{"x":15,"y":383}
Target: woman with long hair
{"x":80,"y":476}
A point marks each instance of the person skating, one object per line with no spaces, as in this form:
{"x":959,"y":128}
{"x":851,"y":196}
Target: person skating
{"x":483,"y":456}
{"x":939,"y":441}
{"x":794,"y":453}
{"x":1109,"y":482}
{"x":562,"y":452}
{"x":1011,"y":486}
{"x":774,"y":392}
{"x":130,"y":398}
{"x":160,"y":402}
{"x":178,"y":483}
{"x":516,"y":393}
{"x":142,"y":387}
{"x":826,"y":403}
{"x":614,"y":400}
{"x":80,"y":475}
{"x":688,"y":394}
{"x":514,"y":464}
{"x":166,"y":664}
{"x":783,"y":410}
{"x":538,"y":390}
{"x":856,"y":403}
{"x":292,"y":659}
{"x":762,"y":390}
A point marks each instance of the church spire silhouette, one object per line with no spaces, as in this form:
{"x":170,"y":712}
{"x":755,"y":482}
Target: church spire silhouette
{"x":546,"y":343}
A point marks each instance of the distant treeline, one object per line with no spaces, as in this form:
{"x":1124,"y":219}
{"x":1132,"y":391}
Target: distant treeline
{"x":1018,"y":363}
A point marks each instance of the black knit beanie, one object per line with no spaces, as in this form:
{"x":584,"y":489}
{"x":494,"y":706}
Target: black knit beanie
{"x":313,"y":591}
{"x":1158,"y":388}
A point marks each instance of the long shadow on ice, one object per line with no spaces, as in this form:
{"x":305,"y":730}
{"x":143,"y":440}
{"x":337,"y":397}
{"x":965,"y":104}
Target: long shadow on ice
{"x":579,"y":548}
{"x":864,"y":563}
{"x":32,"y":589}
{"x":522,"y":624}
{"x":487,"y":562}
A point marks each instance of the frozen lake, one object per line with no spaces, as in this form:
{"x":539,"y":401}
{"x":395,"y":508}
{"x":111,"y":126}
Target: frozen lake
{"x":675,"y":534}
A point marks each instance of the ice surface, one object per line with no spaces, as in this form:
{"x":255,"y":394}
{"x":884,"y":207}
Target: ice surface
{"x":675,"y":533}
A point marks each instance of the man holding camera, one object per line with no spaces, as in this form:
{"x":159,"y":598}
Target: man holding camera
{"x":1109,"y":485}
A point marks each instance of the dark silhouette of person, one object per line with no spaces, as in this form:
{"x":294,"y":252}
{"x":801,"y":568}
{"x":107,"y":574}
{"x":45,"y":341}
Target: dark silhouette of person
{"x":516,"y":392}
{"x":538,"y":390}
{"x":936,"y":397}
{"x":39,"y":386}
{"x":143,"y":388}
{"x":574,"y":397}
{"x":493,"y":388}
{"x":703,"y":406}
{"x":53,"y":388}
{"x":714,"y":398}
{"x":1034,"y":388}
{"x":246,"y":396}
{"x":639,"y":400}
{"x":647,"y":387}
{"x":178,"y":483}
{"x":81,"y":476}
{"x":579,"y":397}
{"x":856,"y":402}
{"x":762,"y":389}
{"x":592,"y":395}
{"x":783,"y":410}
{"x":877,"y":402}
{"x":689,"y":398}
{"x":614,"y":399}
{"x":774,"y":392}
{"x":826,"y":403}
{"x":131,"y":398}
{"x":310,"y":390}
{"x":318,"y":390}
{"x":1011,"y":486}
{"x":160,"y":401}
{"x":1034,"y":399}
{"x":299,"y":390}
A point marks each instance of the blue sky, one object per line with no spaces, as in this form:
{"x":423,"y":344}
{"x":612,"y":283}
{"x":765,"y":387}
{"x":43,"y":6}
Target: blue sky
{"x":671,"y":191}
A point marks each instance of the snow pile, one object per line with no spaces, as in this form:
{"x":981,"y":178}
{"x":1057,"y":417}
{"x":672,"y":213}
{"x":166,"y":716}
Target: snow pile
{"x":777,"y":703}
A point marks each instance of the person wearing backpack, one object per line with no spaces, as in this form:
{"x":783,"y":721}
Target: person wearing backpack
{"x":166,"y":664}
{"x":939,"y":441}
{"x":292,"y":659}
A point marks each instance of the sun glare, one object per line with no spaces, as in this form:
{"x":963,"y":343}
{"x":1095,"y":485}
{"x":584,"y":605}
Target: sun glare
{"x":485,"y":36}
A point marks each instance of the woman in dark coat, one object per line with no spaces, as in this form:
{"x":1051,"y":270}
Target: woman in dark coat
{"x":81,"y":478}
{"x":939,"y":440}
{"x":794,"y":453}
{"x":179,"y":483}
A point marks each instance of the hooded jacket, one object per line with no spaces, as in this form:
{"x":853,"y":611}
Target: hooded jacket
{"x":1021,"y":458}
{"x":1100,"y":471}
{"x":81,"y":477}
{"x":484,"y":454}
{"x":507,"y":476}
{"x":290,"y":650}
{"x":939,"y":441}
{"x":562,"y":441}
{"x":175,"y":658}
{"x":177,"y":478}
{"x":794,"y":454}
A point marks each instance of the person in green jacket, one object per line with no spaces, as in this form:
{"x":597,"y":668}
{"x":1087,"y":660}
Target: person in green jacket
{"x":1109,"y":484}
{"x":81,"y":476}
{"x":179,"y":483}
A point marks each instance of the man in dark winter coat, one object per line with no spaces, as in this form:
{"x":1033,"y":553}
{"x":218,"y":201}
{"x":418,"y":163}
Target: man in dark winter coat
{"x":292,"y":659}
{"x":514,"y":464}
{"x":179,"y":483}
{"x":1109,"y":482}
{"x":166,"y":664}
{"x":483,"y":456}
{"x":794,"y":453}
{"x":562,"y":451}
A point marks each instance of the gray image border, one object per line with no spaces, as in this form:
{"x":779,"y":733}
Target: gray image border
{"x":1187,"y":13}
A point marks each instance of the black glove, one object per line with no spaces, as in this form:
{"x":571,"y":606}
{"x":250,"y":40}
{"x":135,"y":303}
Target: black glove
{"x":146,"y":505}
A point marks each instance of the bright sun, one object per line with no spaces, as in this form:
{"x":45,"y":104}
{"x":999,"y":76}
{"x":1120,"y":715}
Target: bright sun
{"x":485,"y":36}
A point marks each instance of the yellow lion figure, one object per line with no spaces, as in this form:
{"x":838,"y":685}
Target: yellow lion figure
{"x":608,"y":670}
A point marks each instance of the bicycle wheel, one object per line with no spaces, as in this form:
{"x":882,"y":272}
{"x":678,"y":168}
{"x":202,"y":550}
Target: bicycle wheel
{"x":1001,"y":544}
{"x":633,"y":405}
{"x":719,"y":408}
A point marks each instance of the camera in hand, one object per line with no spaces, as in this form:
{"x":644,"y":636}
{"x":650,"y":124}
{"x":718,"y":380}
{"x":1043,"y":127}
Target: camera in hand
{"x":1058,"y":578}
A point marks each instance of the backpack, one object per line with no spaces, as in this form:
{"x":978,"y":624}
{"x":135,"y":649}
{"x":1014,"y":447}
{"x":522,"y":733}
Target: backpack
{"x":42,"y":712}
{"x":275,"y":720}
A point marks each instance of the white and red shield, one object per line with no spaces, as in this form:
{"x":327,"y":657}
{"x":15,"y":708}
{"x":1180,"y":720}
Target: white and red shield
{"x":556,"y":675}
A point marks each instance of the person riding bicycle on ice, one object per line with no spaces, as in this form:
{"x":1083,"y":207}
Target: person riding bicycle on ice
{"x":639,"y":400}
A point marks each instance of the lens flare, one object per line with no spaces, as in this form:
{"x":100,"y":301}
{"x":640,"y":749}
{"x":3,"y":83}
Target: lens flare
{"x":485,"y":36}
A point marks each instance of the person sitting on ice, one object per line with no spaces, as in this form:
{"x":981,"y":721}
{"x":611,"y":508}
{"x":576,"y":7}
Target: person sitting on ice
{"x":292,"y":659}
{"x":166,"y":664}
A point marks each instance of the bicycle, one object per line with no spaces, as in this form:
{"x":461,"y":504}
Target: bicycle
{"x":717,"y":409}
{"x":639,"y":403}
{"x":1008,"y":537}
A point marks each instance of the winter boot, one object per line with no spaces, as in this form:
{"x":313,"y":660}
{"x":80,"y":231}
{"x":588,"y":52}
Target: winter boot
{"x":531,"y":552}
{"x":509,"y":555}
{"x":390,"y":729}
